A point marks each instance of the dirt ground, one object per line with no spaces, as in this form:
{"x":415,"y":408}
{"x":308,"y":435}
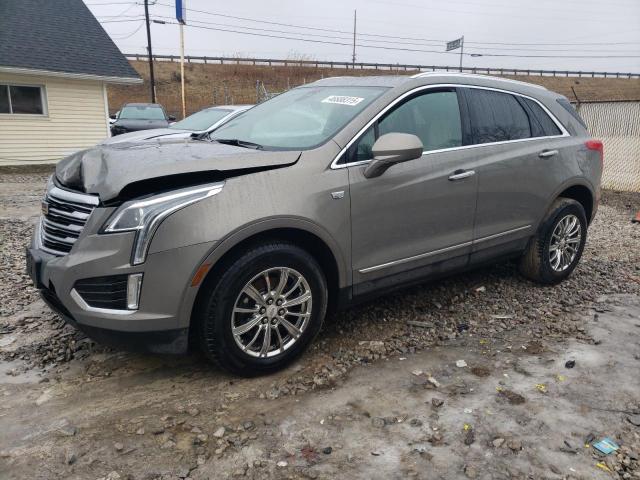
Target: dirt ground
{"x":468,"y":377}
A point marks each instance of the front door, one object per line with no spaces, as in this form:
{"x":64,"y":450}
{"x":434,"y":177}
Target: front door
{"x":418,"y":213}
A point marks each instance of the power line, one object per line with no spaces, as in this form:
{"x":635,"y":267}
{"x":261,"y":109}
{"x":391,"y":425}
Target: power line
{"x":484,"y":49}
{"x":438,"y":42}
{"x":380,"y":47}
{"x":294,"y":33}
{"x":122,"y":21}
{"x":109,"y":3}
{"x":122,"y":12}
{"x":306,"y":27}
{"x":128,"y":35}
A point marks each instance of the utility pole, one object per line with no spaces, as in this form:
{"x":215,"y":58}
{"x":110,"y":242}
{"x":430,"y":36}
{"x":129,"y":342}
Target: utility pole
{"x":353,"y":57}
{"x":184,"y":104}
{"x":461,"y":50}
{"x":152,"y":80}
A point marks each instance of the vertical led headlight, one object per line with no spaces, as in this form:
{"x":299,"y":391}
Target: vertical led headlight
{"x":145,"y":216}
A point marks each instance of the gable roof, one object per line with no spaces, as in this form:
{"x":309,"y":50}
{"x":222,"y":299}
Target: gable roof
{"x":59,"y":37}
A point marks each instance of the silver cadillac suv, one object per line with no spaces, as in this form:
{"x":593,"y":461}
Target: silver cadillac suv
{"x":325,"y":195}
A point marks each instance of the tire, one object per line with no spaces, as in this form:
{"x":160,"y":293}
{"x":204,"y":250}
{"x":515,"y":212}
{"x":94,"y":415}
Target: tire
{"x":216,"y":314}
{"x":537,"y":263}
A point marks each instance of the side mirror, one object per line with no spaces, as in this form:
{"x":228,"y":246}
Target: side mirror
{"x":113,"y":116}
{"x":390,"y":149}
{"x":172,"y":118}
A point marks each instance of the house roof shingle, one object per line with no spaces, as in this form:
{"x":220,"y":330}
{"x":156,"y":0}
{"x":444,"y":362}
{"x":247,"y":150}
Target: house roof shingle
{"x":59,"y":36}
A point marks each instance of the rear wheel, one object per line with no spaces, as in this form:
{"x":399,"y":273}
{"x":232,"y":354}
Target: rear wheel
{"x":556,"y":249}
{"x":263,"y":310}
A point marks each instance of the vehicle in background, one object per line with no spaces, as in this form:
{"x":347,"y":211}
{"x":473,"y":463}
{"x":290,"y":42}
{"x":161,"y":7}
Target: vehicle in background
{"x":140,"y":116}
{"x":328,"y":194}
{"x":112,"y":118}
{"x":200,"y":123}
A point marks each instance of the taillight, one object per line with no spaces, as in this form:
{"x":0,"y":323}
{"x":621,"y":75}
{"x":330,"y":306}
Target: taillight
{"x":596,"y":145}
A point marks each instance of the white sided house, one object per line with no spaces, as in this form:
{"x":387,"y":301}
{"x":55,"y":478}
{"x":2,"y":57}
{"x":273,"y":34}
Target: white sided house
{"x":55,"y":63}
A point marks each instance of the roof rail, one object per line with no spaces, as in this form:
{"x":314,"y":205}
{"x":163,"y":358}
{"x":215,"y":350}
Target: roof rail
{"x":475,"y":75}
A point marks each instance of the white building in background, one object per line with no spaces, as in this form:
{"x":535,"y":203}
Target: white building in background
{"x":55,"y":63}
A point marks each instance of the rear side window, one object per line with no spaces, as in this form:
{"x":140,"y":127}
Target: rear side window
{"x":496,"y":116}
{"x":569,"y":108}
{"x":541,"y":123}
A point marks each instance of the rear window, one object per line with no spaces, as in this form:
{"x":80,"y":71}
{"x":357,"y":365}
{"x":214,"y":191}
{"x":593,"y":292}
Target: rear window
{"x":141,"y":112}
{"x":569,"y":108}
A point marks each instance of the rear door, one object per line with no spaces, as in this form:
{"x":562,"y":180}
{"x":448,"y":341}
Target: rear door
{"x":518,"y":150}
{"x":419,"y":212}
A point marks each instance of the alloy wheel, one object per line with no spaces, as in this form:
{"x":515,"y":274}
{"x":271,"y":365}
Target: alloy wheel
{"x":565,"y":242}
{"x":271,"y":312}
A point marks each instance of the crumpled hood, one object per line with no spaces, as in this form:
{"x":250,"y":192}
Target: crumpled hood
{"x":106,"y":169}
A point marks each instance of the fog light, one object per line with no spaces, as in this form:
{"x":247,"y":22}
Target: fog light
{"x":134,"y":285}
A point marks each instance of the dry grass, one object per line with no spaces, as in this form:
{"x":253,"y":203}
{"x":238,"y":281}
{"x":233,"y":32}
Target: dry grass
{"x":215,"y":84}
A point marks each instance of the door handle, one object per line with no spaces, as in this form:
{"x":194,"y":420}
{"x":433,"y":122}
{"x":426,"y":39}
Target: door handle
{"x":547,"y":153}
{"x":460,"y":174}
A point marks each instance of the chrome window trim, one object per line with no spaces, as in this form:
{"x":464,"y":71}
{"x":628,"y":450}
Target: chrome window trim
{"x":74,"y":197}
{"x":501,"y":234}
{"x":414,"y":257}
{"x":86,"y":307}
{"x":335,"y":165}
{"x":441,"y":250}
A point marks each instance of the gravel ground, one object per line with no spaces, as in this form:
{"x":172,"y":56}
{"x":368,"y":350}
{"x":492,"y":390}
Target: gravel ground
{"x":489,"y":306}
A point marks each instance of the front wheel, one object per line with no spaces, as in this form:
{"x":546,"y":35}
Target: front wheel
{"x":556,"y":249}
{"x":263,"y":310}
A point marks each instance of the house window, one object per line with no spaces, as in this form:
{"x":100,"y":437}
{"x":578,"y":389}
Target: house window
{"x":22,"y":99}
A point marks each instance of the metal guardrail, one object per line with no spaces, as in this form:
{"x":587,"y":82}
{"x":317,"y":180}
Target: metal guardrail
{"x":380,"y":66}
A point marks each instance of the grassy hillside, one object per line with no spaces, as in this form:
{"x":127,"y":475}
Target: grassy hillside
{"x":211,"y":84}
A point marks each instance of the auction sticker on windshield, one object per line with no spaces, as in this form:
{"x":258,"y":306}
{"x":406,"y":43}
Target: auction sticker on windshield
{"x":343,"y":100}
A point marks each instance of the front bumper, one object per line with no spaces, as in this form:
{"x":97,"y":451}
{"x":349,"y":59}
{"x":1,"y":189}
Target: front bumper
{"x":161,"y":322}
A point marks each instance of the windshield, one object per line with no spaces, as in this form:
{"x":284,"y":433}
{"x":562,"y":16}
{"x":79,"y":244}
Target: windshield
{"x":201,"y":120}
{"x":142,"y":112}
{"x":301,"y":118}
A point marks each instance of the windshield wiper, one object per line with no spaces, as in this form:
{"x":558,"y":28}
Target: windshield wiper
{"x":200,"y":136}
{"x":239,"y":143}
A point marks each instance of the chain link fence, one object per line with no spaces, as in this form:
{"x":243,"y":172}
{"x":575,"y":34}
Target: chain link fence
{"x":617,"y":124}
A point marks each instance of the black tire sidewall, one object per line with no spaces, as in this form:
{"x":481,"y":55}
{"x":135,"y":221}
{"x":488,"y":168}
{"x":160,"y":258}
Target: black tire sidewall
{"x":218,"y":313}
{"x":571,"y":207}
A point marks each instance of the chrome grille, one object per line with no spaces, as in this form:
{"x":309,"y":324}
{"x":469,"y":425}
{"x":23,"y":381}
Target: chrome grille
{"x":64,"y":215}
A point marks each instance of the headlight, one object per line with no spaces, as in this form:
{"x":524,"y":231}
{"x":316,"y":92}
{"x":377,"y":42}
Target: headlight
{"x":145,"y":216}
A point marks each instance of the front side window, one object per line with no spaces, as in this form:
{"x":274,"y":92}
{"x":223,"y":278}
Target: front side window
{"x":302,"y":118}
{"x":496,"y":116}
{"x":19,"y":99}
{"x":434,"y":117}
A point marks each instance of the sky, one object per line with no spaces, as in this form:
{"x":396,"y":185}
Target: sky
{"x":535,"y":34}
